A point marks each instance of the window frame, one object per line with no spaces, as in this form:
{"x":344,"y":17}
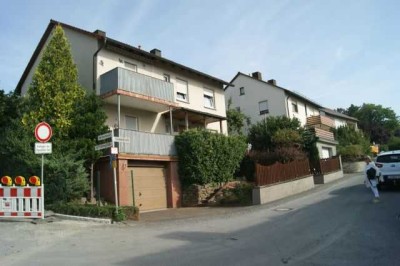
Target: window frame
{"x":128,"y":65}
{"x":137,"y":122}
{"x":185,"y":96}
{"x":208,"y":95}
{"x":264,"y":111}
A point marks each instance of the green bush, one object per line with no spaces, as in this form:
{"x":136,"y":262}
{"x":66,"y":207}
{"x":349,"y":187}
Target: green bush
{"x":394,"y":143}
{"x":206,"y":157}
{"x":95,"y":211}
{"x":352,"y":153}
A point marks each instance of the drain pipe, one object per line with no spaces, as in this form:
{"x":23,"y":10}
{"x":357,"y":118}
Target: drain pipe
{"x":102,"y":45}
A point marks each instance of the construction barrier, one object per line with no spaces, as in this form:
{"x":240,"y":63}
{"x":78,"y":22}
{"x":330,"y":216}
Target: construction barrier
{"x":21,"y":201}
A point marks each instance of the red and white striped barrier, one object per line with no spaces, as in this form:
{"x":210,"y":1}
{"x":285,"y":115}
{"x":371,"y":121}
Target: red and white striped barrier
{"x":21,"y":202}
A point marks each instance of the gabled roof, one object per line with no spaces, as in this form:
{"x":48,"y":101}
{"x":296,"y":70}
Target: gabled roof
{"x":110,"y":43}
{"x":295,"y":94}
{"x":334,"y":113}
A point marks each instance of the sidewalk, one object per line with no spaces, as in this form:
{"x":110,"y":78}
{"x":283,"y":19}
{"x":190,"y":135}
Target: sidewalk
{"x":204,"y":212}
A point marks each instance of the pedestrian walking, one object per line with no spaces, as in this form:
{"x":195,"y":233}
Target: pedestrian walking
{"x":371,"y":180}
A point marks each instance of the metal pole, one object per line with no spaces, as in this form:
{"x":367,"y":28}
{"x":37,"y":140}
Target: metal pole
{"x":114,"y":175}
{"x":119,"y":111}
{"x":170,"y":121}
{"x":42,"y":176}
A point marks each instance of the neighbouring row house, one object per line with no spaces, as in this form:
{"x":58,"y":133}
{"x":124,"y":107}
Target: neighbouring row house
{"x":148,"y":99}
{"x":259,"y":99}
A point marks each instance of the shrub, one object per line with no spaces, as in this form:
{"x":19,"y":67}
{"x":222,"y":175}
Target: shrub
{"x":352,"y":153}
{"x":206,"y":157}
{"x":86,"y":210}
{"x":394,"y":144}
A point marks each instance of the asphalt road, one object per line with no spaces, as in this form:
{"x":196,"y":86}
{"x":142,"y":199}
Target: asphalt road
{"x":335,"y":224}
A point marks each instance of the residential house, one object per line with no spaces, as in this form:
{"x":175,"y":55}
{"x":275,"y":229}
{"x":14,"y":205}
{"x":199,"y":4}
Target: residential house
{"x":148,"y":99}
{"x":259,"y":99}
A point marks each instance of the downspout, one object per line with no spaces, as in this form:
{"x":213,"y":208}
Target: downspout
{"x":287,"y":106}
{"x":103,"y":44}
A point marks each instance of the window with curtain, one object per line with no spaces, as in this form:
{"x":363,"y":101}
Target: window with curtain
{"x":208,"y":98}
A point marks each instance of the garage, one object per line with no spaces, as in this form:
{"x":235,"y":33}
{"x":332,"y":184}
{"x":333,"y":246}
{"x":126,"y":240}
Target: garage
{"x":149,"y":187}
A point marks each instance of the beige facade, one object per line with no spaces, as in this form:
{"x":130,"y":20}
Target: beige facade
{"x":148,"y":99}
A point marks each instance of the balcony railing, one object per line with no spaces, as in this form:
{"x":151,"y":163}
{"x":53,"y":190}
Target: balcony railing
{"x":324,"y":134}
{"x":321,"y":121}
{"x":123,"y":79}
{"x":144,"y":143}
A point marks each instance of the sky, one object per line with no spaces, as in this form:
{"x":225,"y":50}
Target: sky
{"x":335,"y":52}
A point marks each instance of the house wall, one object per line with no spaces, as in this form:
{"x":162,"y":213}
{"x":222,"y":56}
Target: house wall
{"x":147,"y":121}
{"x":108,"y":60}
{"x":255,"y":92}
{"x":82,"y":49}
{"x":304,"y":109}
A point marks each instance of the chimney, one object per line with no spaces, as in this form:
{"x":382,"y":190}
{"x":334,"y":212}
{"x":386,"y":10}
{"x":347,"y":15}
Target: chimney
{"x":156,"y":52}
{"x":100,"y":33}
{"x":257,"y":75}
{"x":272,"y":81}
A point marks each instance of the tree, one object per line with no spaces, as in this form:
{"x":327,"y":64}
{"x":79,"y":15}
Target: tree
{"x":378,"y":122}
{"x":54,"y":89}
{"x":353,"y":144}
{"x":261,"y":134}
{"x":236,"y":120}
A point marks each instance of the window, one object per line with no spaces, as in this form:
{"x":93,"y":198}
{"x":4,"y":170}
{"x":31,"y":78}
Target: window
{"x":167,"y":78}
{"x":241,"y":90}
{"x":181,"y":90}
{"x":263,"y":106}
{"x":238,"y":108}
{"x":131,"y":122}
{"x":294,"y":107}
{"x":208,"y":98}
{"x":131,"y":66}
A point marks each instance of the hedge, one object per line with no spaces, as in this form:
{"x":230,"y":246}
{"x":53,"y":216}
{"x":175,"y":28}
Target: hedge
{"x":206,"y":157}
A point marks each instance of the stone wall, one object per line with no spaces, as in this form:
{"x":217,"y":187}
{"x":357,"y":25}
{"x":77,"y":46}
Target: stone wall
{"x":196,"y":195}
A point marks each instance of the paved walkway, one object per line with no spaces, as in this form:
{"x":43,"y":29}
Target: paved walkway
{"x":200,"y":212}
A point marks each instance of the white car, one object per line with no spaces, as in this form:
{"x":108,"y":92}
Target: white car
{"x":389,"y":166}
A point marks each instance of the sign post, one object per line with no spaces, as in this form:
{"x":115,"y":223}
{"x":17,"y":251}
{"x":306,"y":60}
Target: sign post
{"x":110,"y":135}
{"x":43,"y":133}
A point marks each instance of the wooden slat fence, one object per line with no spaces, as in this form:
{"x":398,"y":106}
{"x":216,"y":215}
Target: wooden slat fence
{"x":278,"y":172}
{"x":329,"y":165}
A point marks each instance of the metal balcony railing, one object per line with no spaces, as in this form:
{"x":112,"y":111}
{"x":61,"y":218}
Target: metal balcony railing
{"x":145,"y":143}
{"x":123,"y":79}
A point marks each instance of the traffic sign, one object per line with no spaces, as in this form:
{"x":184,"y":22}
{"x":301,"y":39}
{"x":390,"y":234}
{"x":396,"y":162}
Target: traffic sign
{"x":120,"y":139}
{"x":103,"y":146}
{"x":43,"y":132}
{"x":43,"y":148}
{"x":104,"y":136}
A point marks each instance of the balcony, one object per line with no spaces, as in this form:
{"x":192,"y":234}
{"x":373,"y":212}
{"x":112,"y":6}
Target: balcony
{"x":137,"y":90}
{"x":144,"y":143}
{"x":324,"y":135}
{"x":320,"y":121}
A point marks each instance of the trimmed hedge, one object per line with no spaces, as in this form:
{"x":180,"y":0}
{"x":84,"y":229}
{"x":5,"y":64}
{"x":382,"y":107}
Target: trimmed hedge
{"x":206,"y":157}
{"x":95,"y":211}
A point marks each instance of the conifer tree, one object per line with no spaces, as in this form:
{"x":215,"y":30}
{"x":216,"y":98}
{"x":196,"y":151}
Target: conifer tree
{"x":54,"y":88}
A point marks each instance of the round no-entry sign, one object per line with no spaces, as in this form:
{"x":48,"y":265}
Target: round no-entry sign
{"x":43,"y":132}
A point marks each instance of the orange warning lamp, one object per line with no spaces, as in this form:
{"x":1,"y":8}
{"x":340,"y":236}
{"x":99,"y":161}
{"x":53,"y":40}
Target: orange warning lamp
{"x":6,"y":181}
{"x":20,"y":181}
{"x":34,"y":180}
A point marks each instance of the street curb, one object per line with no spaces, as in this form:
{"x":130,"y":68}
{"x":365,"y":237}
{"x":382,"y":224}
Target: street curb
{"x":84,"y":219}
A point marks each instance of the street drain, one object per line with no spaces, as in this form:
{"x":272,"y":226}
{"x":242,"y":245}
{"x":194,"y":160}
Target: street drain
{"x":283,"y":209}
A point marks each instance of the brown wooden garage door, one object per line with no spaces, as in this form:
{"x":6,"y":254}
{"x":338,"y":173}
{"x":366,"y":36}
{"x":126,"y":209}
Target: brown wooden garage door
{"x":149,"y":185}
